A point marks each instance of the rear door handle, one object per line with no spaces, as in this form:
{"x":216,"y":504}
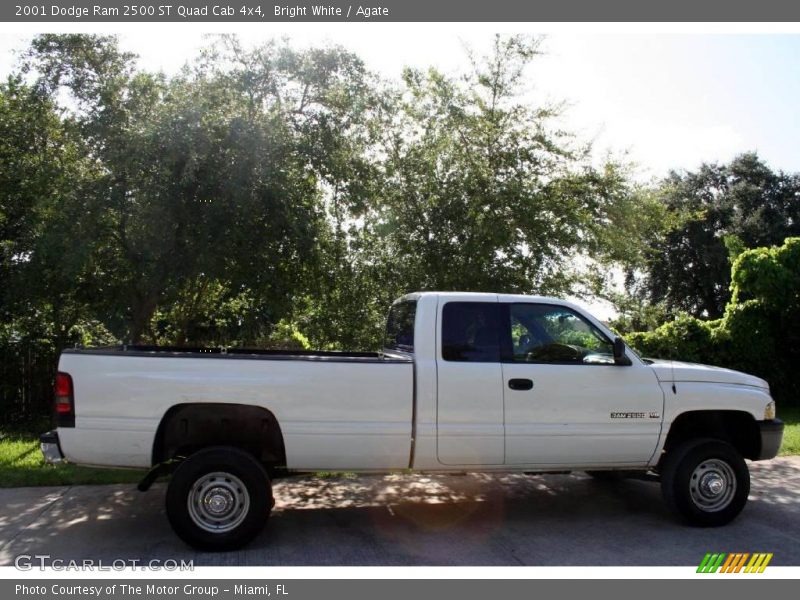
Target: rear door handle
{"x":520,"y":384}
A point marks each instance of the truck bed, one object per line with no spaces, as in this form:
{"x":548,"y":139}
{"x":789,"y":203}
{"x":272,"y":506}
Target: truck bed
{"x":337,"y":410}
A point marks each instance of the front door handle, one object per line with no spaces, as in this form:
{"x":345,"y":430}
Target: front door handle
{"x":520,"y":384}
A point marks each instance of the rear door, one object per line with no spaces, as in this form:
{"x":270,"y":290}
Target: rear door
{"x":469,"y":423}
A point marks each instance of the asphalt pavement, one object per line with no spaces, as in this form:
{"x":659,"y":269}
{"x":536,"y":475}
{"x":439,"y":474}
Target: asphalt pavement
{"x":413,"y":519}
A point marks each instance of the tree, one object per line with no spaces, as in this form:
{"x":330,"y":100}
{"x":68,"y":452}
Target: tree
{"x":337,"y":113}
{"x":719,"y":210}
{"x":45,"y":267}
{"x":199,"y":185}
{"x":484,"y":192}
{"x":29,"y":134}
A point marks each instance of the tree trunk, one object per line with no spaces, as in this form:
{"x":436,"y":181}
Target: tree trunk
{"x":141,"y":313}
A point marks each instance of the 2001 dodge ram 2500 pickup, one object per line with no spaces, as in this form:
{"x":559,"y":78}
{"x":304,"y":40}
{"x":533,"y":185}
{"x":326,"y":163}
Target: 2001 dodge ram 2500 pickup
{"x":475,"y":382}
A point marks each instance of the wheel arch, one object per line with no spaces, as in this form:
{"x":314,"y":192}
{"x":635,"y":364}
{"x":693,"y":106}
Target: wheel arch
{"x":188,"y":427}
{"x":737,"y":427}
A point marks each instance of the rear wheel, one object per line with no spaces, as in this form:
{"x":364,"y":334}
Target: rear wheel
{"x":706,"y":481}
{"x":219,"y":499}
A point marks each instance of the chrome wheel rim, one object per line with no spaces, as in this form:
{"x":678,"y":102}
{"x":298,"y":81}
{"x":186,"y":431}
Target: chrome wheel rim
{"x":712,"y":485}
{"x":218,"y":502}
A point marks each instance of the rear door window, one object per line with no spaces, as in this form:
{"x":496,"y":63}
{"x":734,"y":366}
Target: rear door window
{"x":471,"y":331}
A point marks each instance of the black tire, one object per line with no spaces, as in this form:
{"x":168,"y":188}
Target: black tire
{"x":706,"y":481}
{"x":237,"y":494}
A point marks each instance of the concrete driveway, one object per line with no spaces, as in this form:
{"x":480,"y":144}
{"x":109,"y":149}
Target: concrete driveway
{"x":472,"y":519}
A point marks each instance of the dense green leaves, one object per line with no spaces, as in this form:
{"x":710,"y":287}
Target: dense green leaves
{"x":47,"y":241}
{"x":200,"y":190}
{"x":716,"y":211}
{"x":759,"y":332}
{"x":485,"y":193}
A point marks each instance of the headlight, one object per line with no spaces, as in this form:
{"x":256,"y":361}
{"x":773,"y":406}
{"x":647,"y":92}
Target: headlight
{"x":769,"y":411}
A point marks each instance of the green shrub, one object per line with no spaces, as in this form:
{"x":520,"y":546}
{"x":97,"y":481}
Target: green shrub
{"x":760,"y":332}
{"x":286,"y":336}
{"x":685,"y":338}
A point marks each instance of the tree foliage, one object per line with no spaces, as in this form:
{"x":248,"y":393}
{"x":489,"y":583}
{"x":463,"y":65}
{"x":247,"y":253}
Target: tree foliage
{"x":758,"y":332}
{"x":716,"y":212}
{"x":282,"y":197}
{"x":47,"y":243}
{"x":484,"y":192}
{"x":202,"y":187}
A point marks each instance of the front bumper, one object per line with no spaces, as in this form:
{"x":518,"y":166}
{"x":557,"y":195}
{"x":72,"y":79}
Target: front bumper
{"x":771,"y":437}
{"x":51,"y":448}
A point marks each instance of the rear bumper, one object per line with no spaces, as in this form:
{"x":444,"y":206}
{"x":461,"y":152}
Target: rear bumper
{"x":51,"y":448}
{"x":771,"y":437}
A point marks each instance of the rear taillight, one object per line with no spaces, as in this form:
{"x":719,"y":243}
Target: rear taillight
{"x":65,"y":401}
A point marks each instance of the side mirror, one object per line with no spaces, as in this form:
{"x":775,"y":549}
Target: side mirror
{"x":619,"y":353}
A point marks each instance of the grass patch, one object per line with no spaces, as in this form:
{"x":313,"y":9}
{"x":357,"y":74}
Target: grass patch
{"x":791,"y":434}
{"x":22,"y":464}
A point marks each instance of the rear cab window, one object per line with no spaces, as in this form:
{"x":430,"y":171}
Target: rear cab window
{"x":400,"y":326}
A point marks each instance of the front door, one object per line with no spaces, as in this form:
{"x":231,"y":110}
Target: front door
{"x":580,"y":408}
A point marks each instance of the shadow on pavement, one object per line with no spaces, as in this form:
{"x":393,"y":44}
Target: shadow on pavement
{"x":411,"y":519}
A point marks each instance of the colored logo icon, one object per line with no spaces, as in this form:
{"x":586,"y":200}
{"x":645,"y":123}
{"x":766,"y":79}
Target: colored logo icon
{"x":739,"y":562}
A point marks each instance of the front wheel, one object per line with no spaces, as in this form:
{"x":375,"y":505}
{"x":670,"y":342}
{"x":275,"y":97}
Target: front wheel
{"x":219,"y":499}
{"x":706,"y":481}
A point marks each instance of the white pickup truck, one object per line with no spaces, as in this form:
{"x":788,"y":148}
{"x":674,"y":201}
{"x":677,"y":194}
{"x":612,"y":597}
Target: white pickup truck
{"x":466,"y":382}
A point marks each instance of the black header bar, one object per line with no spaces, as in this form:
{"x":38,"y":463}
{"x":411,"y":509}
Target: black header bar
{"x":239,"y":11}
